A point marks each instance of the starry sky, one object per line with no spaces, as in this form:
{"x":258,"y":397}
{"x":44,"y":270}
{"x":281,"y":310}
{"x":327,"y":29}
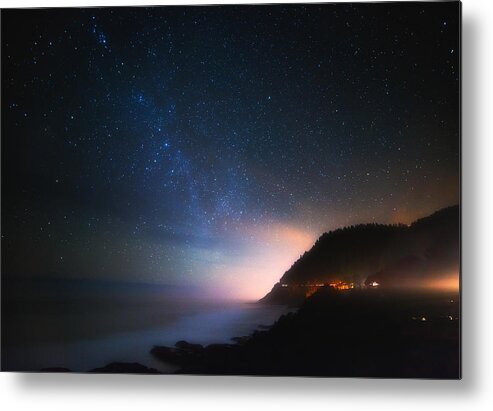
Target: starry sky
{"x":211,"y":146}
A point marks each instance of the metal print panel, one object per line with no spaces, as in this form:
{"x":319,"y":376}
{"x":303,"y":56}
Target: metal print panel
{"x":251,"y":190}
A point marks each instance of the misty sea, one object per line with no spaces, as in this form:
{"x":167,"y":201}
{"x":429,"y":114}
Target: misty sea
{"x":89,"y":327}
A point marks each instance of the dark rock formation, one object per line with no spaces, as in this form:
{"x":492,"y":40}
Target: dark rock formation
{"x":125,"y":368}
{"x":179,"y":356}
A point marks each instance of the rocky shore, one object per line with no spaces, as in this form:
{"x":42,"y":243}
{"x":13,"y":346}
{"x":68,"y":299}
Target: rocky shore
{"x":354,"y":333}
{"x":112,"y":368}
{"x":340,"y":334}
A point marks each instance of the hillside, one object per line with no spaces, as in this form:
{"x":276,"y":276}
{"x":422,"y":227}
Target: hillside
{"x":390,"y":255}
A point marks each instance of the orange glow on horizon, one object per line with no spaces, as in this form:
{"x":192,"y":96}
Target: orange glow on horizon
{"x":448,"y":283}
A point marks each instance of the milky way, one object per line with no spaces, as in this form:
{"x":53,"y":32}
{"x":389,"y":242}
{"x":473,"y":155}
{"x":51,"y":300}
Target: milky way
{"x":211,"y":146}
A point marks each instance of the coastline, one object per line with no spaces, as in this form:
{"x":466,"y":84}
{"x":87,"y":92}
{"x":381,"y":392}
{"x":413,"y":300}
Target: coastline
{"x":358,"y":333}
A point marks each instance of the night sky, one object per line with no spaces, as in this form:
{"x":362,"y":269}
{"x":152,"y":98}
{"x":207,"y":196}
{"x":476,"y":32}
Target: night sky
{"x":211,"y":146}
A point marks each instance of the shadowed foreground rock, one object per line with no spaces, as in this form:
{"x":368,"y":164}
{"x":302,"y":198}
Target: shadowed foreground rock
{"x":183,"y":353}
{"x":125,"y":368}
{"x":112,"y":368}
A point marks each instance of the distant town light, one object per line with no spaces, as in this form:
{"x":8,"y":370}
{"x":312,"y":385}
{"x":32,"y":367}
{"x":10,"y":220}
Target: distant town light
{"x":374,"y":284}
{"x":341,"y":285}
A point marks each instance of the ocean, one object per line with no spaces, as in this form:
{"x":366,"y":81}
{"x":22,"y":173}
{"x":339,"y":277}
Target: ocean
{"x":86,"y":329}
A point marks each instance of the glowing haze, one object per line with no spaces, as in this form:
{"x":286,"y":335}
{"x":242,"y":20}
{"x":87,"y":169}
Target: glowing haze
{"x":267,"y":252}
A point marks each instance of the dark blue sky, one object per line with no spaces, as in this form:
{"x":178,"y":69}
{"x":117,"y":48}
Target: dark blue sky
{"x":213,"y":145}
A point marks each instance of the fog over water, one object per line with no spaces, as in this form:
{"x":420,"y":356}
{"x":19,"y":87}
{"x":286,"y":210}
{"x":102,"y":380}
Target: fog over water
{"x":87,"y":327}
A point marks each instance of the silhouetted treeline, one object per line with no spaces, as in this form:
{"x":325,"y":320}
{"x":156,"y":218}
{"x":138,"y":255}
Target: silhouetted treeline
{"x":354,"y":253}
